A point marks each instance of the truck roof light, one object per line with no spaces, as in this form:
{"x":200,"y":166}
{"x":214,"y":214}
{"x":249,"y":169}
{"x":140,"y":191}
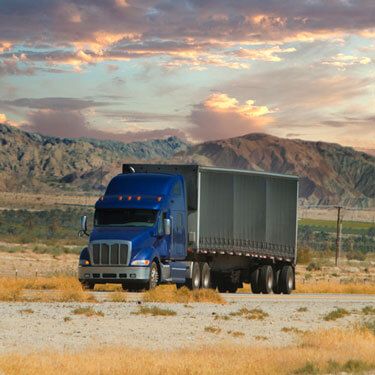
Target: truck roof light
{"x":158,"y":199}
{"x":138,"y":198}
{"x":120,"y":197}
{"x":129,"y":198}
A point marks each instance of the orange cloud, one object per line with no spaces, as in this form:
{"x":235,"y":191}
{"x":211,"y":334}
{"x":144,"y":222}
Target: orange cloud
{"x":221,"y":116}
{"x":222,"y":102}
{"x":3,"y":118}
{"x":342,"y":61}
{"x":265,"y":54}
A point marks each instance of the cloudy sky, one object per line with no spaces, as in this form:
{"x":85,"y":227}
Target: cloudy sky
{"x":198,"y":69}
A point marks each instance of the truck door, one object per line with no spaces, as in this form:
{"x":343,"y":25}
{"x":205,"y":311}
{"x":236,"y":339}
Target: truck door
{"x":179,"y":222}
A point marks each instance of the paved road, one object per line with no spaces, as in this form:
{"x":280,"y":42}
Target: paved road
{"x":243,"y":297}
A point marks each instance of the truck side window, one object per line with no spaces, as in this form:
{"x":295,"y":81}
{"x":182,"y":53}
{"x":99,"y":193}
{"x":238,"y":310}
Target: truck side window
{"x":176,"y":189}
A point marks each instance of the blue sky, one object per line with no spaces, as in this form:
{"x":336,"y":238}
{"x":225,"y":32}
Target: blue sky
{"x":200,"y":70}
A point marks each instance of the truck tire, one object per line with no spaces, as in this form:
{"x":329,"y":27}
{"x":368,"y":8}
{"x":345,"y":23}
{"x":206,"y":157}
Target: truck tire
{"x":286,"y":280}
{"x":266,"y":279}
{"x":205,"y":276}
{"x":254,"y":281}
{"x":195,"y":281}
{"x":153,"y":278}
{"x":276,"y":280}
{"x":224,"y":284}
{"x":88,"y":285}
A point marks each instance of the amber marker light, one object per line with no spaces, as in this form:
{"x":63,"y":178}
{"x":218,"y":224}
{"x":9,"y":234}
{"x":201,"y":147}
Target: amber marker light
{"x":158,"y":199}
{"x":120,"y":197}
{"x":138,"y":198}
{"x":129,"y":198}
{"x":101,"y":198}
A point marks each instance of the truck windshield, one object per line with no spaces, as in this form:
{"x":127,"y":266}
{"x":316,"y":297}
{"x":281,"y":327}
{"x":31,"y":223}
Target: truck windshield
{"x":125,"y":217}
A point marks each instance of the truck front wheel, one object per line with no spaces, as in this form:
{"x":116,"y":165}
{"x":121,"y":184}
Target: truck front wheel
{"x":153,"y":278}
{"x":88,"y":285}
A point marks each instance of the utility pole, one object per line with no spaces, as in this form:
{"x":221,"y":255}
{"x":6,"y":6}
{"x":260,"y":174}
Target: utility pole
{"x":338,"y":235}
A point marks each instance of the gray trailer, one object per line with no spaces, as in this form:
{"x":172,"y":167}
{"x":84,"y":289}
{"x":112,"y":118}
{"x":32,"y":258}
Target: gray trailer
{"x":241,"y":225}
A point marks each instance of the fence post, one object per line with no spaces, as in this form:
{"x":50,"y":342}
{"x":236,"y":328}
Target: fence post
{"x":338,"y":235}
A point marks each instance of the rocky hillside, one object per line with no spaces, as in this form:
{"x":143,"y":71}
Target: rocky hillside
{"x":329,"y":173}
{"x":32,"y":162}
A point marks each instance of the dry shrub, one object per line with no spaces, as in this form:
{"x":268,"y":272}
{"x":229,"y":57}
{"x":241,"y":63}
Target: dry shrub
{"x":108,"y":287}
{"x":348,"y":350}
{"x":335,"y":287}
{"x":212,"y":329}
{"x":44,"y":289}
{"x":87,"y":311}
{"x":336,"y":314}
{"x":182,"y":295}
{"x":154,"y":311}
{"x":253,"y":314}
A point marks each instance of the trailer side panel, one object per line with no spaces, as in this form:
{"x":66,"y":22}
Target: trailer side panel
{"x":248,"y":212}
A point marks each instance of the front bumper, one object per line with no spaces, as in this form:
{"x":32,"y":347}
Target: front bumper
{"x":110,"y":274}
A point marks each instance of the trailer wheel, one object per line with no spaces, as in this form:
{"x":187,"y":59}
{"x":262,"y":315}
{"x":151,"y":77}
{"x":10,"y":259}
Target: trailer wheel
{"x":276,"y":280}
{"x":87,"y":285}
{"x":153,"y":278}
{"x":286,"y":280}
{"x":266,"y":279}
{"x":205,"y":276}
{"x":254,"y":281}
{"x":195,"y":281}
{"x":224,"y":285}
{"x":232,"y":287}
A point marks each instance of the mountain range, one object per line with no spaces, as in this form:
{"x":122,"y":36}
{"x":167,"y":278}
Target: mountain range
{"x":329,"y":173}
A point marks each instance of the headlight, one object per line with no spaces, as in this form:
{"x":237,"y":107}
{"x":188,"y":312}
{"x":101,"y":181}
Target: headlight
{"x":141,"y":262}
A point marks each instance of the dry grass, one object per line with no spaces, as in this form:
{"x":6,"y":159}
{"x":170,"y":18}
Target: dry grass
{"x":87,"y":311}
{"x":253,"y":314}
{"x":292,"y":330}
{"x":44,"y":289}
{"x":154,"y":311}
{"x":168,"y":293}
{"x":335,"y":287}
{"x":322,"y":351}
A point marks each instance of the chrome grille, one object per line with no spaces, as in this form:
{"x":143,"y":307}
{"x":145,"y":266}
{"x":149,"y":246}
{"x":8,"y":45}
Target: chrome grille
{"x":110,"y":253}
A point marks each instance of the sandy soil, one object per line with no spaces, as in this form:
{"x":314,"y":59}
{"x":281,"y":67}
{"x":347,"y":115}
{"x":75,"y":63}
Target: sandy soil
{"x":44,"y":327}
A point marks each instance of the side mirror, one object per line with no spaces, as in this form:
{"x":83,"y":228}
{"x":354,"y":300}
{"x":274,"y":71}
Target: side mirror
{"x":84,"y":223}
{"x":167,"y":226}
{"x":83,"y":226}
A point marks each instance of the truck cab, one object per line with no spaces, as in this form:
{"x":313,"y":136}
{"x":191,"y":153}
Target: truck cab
{"x":139,"y":237}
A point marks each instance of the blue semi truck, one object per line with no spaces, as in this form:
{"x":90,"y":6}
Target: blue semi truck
{"x":194,"y":226}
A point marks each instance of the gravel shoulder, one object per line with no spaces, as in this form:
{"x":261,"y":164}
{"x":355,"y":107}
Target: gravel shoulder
{"x":40,"y":326}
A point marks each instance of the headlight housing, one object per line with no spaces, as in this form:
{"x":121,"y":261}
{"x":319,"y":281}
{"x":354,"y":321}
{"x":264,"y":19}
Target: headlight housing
{"x":140,"y":262}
